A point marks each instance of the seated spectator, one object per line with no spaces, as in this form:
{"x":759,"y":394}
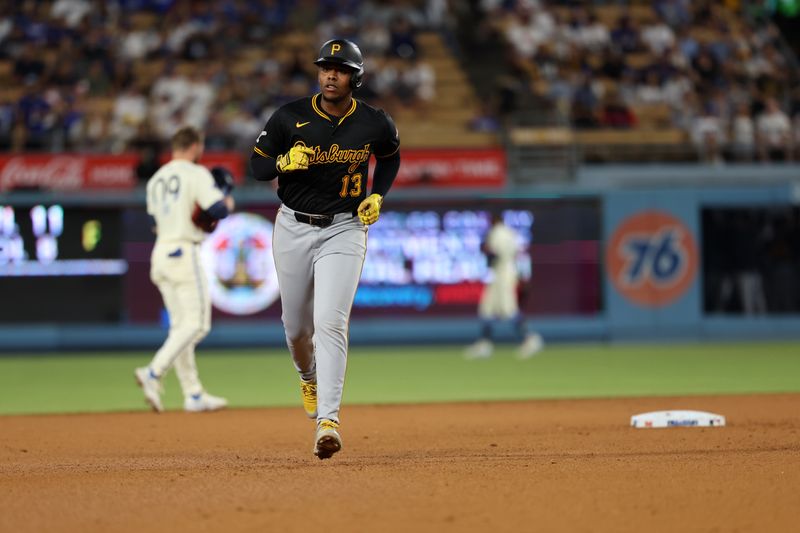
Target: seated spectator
{"x":35,"y":117}
{"x":91,"y":132}
{"x":64,"y":75}
{"x":336,"y":25}
{"x":708,"y":136}
{"x":6,"y":22}
{"x":613,"y":64}
{"x":625,"y":35}
{"x":658,"y":37}
{"x":709,"y":71}
{"x":687,"y":44}
{"x":200,"y":46}
{"x":665,"y":65}
{"x":96,"y":82}
{"x":676,"y":13}
{"x":387,"y":12}
{"x":676,"y":88}
{"x":774,"y":133}
{"x":721,"y":47}
{"x":381,"y":80}
{"x":402,"y":41}
{"x":743,"y":136}
{"x":130,"y":111}
{"x":420,"y":77}
{"x":375,"y":39}
{"x":652,"y":92}
{"x":615,"y":112}
{"x":585,"y":112}
{"x":7,"y":112}
{"x":524,"y":34}
{"x":139,"y":43}
{"x":72,"y":12}
{"x":29,"y":66}
{"x":594,"y":35}
{"x":628,"y":85}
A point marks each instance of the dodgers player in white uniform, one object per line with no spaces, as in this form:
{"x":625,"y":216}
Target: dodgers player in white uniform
{"x":174,"y":192}
{"x":499,"y":300}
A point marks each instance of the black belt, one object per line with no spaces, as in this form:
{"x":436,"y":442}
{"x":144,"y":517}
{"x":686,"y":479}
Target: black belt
{"x":322,"y":221}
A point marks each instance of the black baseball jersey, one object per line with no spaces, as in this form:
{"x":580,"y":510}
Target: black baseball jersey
{"x":337,"y":176}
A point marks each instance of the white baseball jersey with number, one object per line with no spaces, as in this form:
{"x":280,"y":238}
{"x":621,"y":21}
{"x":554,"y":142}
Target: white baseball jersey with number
{"x":499,"y":297}
{"x":175,"y":267}
{"x":172,"y":194}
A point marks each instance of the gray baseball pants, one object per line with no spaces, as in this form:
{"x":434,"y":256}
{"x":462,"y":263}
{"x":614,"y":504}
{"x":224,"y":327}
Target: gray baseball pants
{"x":318,"y":272}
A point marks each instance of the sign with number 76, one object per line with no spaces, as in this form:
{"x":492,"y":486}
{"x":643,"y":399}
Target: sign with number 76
{"x":652,"y":258}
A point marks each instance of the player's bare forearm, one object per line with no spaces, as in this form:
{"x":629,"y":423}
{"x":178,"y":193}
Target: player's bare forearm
{"x":230,"y":203}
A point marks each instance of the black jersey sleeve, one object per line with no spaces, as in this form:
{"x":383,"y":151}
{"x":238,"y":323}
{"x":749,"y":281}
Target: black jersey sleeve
{"x":385,"y":172}
{"x":269,"y":145}
{"x":272,"y":140}
{"x":389,"y":143}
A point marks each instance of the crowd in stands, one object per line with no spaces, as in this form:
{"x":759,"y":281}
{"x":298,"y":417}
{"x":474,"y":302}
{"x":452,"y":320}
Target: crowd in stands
{"x":700,"y":66}
{"x":114,"y":76}
{"x":111,"y":76}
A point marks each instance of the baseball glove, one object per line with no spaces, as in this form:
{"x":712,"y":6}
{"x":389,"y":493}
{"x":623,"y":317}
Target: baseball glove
{"x":223,"y":179}
{"x":203,"y":220}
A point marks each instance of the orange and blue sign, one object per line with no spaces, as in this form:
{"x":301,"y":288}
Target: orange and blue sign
{"x":652,"y":258}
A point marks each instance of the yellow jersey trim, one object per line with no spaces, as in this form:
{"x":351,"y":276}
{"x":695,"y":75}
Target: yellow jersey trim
{"x":324,"y":115}
{"x":387,"y":155}
{"x":317,"y":109}
{"x":350,"y":112}
{"x":257,"y":150}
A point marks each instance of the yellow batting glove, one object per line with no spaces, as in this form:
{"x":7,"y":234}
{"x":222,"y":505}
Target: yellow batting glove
{"x":295,"y":159}
{"x":370,"y":209}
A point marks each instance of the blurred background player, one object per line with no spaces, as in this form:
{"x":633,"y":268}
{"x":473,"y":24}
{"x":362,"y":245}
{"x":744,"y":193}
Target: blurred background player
{"x":319,"y":149}
{"x":185,"y":203}
{"x":500,"y":297}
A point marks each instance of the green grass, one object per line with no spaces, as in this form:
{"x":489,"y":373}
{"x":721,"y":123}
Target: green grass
{"x":58,"y":383}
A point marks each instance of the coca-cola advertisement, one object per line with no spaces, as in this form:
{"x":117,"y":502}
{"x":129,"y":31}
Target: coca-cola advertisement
{"x":479,"y":168}
{"x":70,"y":172}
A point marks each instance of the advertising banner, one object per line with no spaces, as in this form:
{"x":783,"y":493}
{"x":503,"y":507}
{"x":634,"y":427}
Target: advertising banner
{"x":424,"y":259}
{"x":72,"y":172}
{"x":652,"y":260}
{"x":451,"y":168}
{"x":482,"y":168}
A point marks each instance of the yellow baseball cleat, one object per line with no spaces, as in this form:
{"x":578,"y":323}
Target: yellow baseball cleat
{"x":327,"y":439}
{"x":308,"y":389}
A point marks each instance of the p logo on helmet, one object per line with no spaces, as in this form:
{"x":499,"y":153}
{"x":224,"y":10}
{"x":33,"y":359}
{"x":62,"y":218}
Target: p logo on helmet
{"x":343,"y":52}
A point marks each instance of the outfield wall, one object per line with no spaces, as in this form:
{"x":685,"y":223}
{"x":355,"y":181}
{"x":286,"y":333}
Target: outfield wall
{"x":614,"y":258}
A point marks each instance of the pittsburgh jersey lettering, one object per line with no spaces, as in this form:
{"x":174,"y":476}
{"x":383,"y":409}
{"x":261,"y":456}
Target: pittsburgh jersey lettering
{"x":337,"y":177}
{"x":335,"y":154}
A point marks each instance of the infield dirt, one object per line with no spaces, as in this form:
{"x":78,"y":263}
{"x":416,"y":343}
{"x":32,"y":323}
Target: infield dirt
{"x":509,"y":466}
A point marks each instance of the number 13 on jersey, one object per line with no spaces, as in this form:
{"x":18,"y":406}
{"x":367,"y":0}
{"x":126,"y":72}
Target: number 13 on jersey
{"x":351,"y":185}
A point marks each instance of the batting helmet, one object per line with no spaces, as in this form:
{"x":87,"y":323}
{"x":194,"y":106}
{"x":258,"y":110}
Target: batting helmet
{"x":343,"y":52}
{"x":223,"y":179}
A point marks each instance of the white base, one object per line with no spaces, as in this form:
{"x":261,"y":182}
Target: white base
{"x":666,"y":419}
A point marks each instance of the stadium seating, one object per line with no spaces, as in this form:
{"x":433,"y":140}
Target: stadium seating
{"x":660,"y":130}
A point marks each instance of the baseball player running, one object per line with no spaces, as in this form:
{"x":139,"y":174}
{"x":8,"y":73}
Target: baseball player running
{"x":184,"y":203}
{"x":319,"y":148}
